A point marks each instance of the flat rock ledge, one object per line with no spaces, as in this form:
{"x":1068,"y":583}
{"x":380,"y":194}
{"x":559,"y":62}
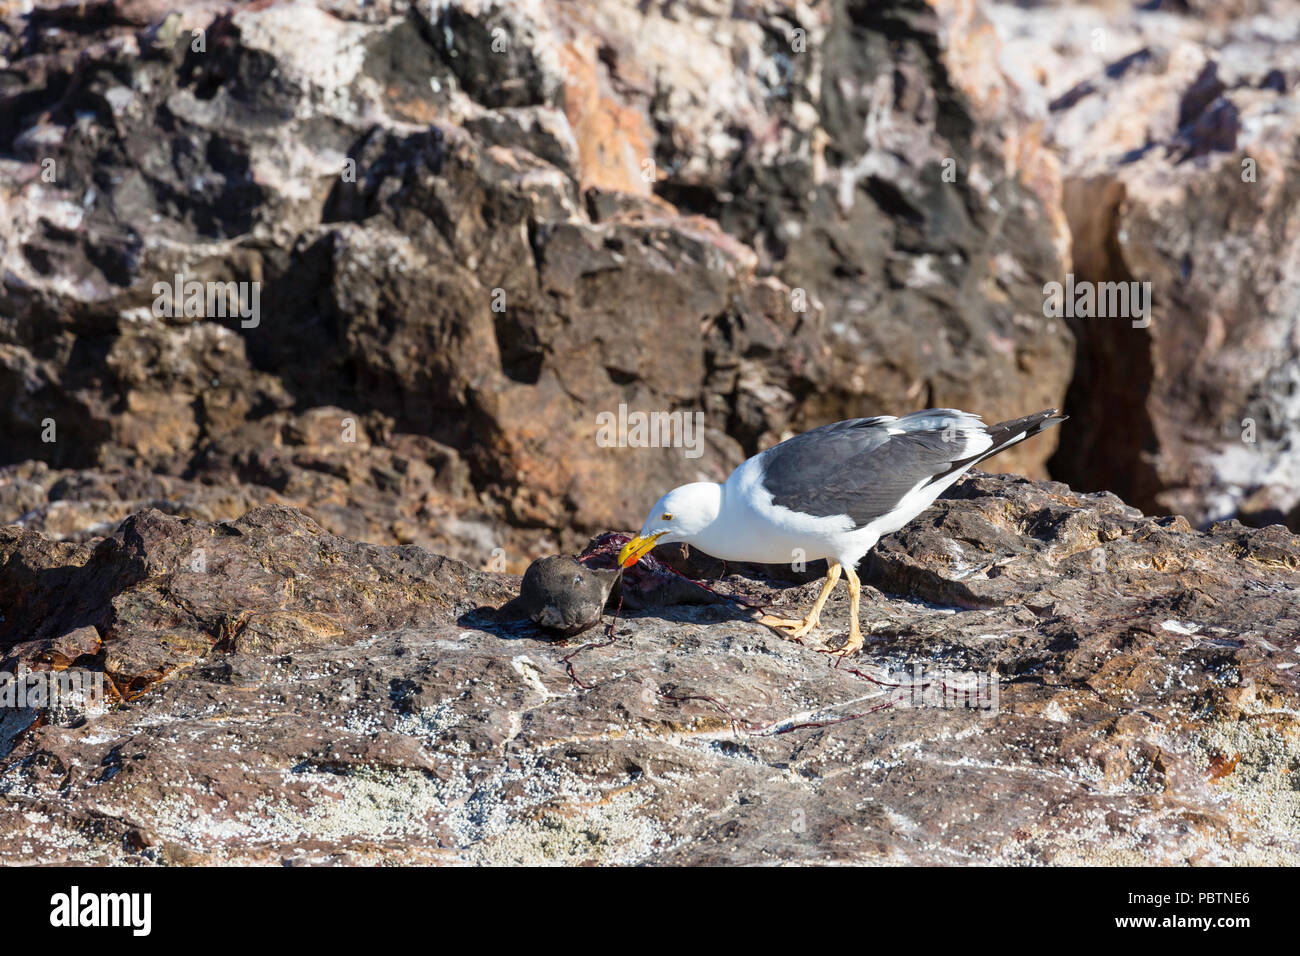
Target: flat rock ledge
{"x":1081,"y":683}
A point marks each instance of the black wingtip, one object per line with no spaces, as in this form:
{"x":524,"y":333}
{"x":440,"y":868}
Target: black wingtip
{"x":1052,"y":416}
{"x":1006,"y":434}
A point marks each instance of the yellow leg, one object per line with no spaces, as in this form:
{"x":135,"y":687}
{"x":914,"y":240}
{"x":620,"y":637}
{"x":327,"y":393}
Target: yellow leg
{"x":796,"y":628}
{"x":855,"y":632}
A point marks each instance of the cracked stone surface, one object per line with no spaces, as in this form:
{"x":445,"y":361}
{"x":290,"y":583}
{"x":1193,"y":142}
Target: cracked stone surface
{"x":312,"y":699}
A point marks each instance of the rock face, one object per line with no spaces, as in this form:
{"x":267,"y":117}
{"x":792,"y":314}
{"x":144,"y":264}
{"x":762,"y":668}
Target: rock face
{"x":286,"y":695}
{"x":1180,"y":144}
{"x":466,"y":235}
{"x":475,"y":228}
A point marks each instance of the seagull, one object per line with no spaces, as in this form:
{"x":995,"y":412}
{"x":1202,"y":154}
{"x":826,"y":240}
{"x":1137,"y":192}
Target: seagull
{"x":830,"y":493}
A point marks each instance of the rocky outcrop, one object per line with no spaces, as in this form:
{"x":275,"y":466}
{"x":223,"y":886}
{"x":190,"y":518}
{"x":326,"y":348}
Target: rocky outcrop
{"x":435,"y":245}
{"x":1180,"y":152}
{"x":286,"y":695}
{"x":837,"y":141}
{"x":473,"y":229}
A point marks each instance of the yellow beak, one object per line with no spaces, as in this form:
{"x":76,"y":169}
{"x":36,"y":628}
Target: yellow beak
{"x":637,"y":548}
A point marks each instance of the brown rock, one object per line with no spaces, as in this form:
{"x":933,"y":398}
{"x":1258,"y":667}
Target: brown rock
{"x":425,"y":729}
{"x":1176,"y":138}
{"x":494,"y":279}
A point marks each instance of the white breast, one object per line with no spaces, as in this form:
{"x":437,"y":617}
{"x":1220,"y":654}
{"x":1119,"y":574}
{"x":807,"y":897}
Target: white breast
{"x":750,"y":527}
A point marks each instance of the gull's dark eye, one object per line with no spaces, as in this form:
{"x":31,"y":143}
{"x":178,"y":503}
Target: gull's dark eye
{"x":666,"y":516}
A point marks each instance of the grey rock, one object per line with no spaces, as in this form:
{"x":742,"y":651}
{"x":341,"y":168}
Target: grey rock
{"x":315,"y":699}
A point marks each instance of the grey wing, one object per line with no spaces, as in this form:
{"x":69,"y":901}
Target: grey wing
{"x":864,"y":467}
